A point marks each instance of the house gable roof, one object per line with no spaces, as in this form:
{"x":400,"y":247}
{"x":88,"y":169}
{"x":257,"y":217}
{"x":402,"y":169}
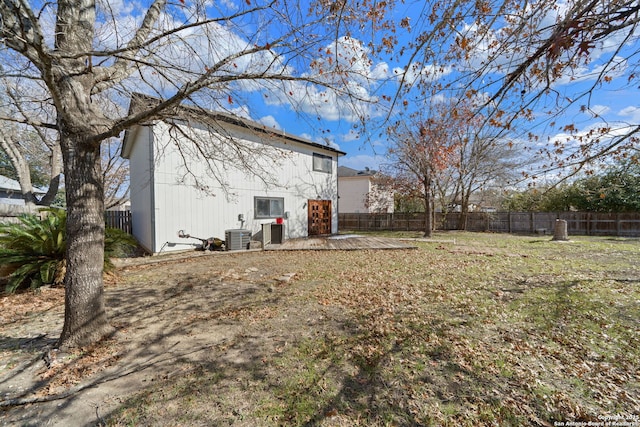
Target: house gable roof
{"x":185,"y":112}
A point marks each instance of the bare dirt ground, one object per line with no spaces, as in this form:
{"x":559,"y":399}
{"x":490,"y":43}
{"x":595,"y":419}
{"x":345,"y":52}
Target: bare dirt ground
{"x":163,"y":313}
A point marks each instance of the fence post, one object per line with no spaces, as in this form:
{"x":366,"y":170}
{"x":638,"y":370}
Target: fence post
{"x":532,"y":223}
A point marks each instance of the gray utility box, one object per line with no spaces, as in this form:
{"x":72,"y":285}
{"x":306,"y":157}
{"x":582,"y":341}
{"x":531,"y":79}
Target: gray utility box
{"x":237,"y":240}
{"x":272,"y":234}
{"x":277,"y":234}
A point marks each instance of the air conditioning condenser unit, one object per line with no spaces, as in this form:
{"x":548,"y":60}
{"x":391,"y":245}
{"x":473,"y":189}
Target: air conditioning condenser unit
{"x":237,"y":240}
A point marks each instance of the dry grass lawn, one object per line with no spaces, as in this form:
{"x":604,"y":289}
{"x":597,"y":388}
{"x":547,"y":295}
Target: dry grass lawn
{"x":468,"y":330}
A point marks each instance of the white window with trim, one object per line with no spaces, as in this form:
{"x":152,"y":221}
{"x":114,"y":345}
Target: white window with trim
{"x":269,"y":207}
{"x":322,"y":163}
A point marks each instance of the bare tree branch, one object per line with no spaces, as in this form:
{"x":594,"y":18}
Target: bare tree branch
{"x":21,"y":31}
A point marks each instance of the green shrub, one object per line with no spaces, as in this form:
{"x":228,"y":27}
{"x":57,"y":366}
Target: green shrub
{"x":117,"y":244}
{"x":32,"y":251}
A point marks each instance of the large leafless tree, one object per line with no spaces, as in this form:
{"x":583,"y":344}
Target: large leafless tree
{"x":483,"y":159}
{"x":87,"y":53}
{"x":532,"y":68}
{"x":421,"y":147}
{"x":31,"y":148}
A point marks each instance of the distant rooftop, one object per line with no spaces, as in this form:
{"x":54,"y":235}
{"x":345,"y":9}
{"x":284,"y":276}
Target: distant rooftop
{"x":7,"y":183}
{"x":346,"y":172}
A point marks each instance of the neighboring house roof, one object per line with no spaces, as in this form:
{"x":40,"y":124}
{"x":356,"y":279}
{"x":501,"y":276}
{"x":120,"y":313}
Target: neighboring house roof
{"x":140,"y":102}
{"x":7,"y":183}
{"x":345,"y":172}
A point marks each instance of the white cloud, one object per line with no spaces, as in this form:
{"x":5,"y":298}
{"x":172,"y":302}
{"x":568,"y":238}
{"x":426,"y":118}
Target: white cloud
{"x":117,"y":8}
{"x":631,"y":114}
{"x":614,"y":68}
{"x":381,"y":71}
{"x":229,"y":4}
{"x":349,"y":74}
{"x":345,"y":66}
{"x":500,"y":49}
{"x":592,"y":137}
{"x":351,"y":103}
{"x":417,"y":72}
{"x":484,"y":54}
{"x":329,"y":141}
{"x":270,"y":122}
{"x":241,"y":111}
{"x":598,"y":110}
{"x":347,"y":54}
{"x":183,"y":56}
{"x":352,"y":135}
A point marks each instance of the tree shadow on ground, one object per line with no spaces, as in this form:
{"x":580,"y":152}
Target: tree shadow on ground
{"x":166,"y":323}
{"x":217,"y":344}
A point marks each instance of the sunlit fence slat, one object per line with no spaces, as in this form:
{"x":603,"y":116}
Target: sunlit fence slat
{"x":118,"y":219}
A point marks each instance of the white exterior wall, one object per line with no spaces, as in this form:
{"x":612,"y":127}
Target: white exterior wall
{"x":353,"y":194}
{"x":180,"y":206}
{"x":383,"y":200}
{"x":141,"y":186}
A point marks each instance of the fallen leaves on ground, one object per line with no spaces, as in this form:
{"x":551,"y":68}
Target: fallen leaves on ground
{"x":490,"y":331}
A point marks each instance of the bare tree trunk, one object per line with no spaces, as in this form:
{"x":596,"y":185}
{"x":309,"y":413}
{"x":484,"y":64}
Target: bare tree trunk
{"x":22,"y":169}
{"x":12,"y":142}
{"x":464,"y":214}
{"x":465,"y":196}
{"x":54,"y":178}
{"x":428,"y":226}
{"x":85,"y":319}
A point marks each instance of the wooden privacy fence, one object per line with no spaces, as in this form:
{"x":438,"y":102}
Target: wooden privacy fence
{"x":118,"y":219}
{"x":579,"y":223}
{"x":113,"y":219}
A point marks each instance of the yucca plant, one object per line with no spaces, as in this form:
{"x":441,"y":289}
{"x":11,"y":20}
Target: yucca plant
{"x":32,"y":251}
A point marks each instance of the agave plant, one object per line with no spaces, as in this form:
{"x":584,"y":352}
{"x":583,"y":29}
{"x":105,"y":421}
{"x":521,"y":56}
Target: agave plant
{"x":32,"y":251}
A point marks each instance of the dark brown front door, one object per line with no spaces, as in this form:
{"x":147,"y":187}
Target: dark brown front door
{"x":319,"y":217}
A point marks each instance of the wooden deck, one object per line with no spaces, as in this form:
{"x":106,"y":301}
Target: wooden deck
{"x":342,"y":243}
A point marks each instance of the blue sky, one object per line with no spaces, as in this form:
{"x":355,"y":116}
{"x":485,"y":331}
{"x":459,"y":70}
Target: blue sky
{"x":319,"y":115}
{"x":614,"y":103}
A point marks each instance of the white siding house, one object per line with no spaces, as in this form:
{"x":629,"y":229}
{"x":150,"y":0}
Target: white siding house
{"x":359,"y":193}
{"x":171,"y":187}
